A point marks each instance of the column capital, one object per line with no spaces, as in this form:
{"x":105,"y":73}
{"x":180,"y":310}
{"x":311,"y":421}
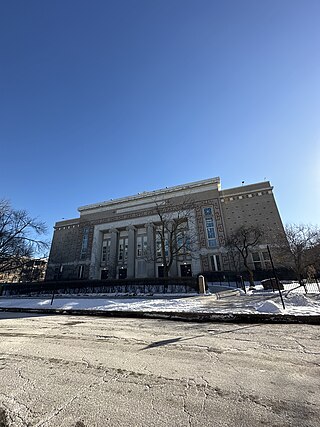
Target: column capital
{"x":131,"y":227}
{"x":113,"y":230}
{"x":149,"y":225}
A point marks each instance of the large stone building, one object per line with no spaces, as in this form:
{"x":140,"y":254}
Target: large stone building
{"x":121,"y":238}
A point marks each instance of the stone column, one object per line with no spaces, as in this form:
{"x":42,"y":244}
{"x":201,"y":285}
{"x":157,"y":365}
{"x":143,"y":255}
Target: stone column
{"x":131,"y":252}
{"x":174,"y":266}
{"x":95,"y":263}
{"x":151,"y":262}
{"x":113,"y":253}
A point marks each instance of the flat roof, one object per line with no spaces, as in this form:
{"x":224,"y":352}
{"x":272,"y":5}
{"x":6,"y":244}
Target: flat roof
{"x":177,"y":188}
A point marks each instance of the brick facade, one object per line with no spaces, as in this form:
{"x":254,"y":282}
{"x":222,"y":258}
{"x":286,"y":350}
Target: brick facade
{"x":77,"y":245}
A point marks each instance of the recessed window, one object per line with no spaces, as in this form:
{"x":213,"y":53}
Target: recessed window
{"x":159,"y":246}
{"x":85,"y":242}
{"x":256,"y":260}
{"x":123,"y":249}
{"x":210,"y":227}
{"x":215,"y":262}
{"x":142,"y":246}
{"x":105,"y":256}
{"x":266,"y":259}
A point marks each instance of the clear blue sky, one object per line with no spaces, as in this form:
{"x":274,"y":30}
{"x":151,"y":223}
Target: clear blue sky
{"x":103,"y":99}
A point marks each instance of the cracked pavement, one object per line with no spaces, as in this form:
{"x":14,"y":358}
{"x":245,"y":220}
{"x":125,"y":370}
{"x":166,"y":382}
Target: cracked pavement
{"x":89,"y":371}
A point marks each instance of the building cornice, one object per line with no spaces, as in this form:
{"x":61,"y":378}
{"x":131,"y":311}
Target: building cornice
{"x":178,"y":190}
{"x":246,"y":189}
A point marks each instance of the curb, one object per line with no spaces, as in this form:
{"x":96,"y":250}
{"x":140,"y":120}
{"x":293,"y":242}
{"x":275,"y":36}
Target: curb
{"x":182,"y":316}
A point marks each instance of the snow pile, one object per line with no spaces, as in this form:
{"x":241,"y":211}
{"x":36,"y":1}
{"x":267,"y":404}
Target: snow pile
{"x":300,"y":300}
{"x":268,"y":307}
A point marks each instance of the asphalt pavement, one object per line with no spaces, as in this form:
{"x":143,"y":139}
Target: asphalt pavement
{"x":87,"y":371}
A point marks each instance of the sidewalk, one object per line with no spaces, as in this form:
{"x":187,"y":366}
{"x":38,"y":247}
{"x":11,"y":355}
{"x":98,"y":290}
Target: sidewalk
{"x":223,"y":307}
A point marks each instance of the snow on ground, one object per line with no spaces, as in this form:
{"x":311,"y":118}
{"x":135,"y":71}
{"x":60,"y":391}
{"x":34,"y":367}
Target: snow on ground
{"x":296,"y":304}
{"x":293,"y":287}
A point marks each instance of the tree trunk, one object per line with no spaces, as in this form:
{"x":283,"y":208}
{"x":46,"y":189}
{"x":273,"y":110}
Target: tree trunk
{"x":250,"y":272}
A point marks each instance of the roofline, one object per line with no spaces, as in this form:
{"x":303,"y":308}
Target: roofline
{"x":154,"y":193}
{"x":244,"y":189}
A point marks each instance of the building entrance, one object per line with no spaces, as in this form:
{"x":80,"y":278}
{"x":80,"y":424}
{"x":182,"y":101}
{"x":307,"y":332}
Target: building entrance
{"x":122,"y":273}
{"x":160,"y":271}
{"x":185,"y":270}
{"x":104,"y":274}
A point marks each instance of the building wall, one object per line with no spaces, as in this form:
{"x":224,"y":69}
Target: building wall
{"x":29,"y":270}
{"x":76,"y":250}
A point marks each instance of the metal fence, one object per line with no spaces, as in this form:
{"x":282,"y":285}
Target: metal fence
{"x":125,"y":286}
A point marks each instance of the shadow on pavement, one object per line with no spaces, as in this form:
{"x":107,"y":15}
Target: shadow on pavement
{"x":19,"y":315}
{"x":179,"y":339}
{"x":231,"y":330}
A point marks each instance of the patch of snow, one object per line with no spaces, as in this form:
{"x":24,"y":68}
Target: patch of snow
{"x":296,"y":304}
{"x":299,"y":299}
{"x":268,"y":307}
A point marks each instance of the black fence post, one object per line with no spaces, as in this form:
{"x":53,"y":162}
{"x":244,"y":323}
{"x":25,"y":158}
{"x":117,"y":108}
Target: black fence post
{"x":52,"y":298}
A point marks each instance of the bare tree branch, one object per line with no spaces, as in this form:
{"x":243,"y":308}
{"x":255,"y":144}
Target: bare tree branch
{"x":243,"y":241}
{"x":19,"y":237}
{"x":174,"y":233}
{"x":299,"y":249}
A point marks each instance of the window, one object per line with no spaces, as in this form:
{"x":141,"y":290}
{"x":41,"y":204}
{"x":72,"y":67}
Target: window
{"x":266,"y":259}
{"x":180,"y":242}
{"x":256,"y":260}
{"x":210,"y":227}
{"x":105,"y":256}
{"x":123,"y":249}
{"x":183,"y":243}
{"x":142,"y":246}
{"x":158,"y":246}
{"x":85,"y":242}
{"x":215,"y":263}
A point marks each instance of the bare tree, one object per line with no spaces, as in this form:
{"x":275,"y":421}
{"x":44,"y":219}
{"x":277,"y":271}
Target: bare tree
{"x":175,"y":233}
{"x":20,"y":237}
{"x":299,"y":249}
{"x":242,"y":241}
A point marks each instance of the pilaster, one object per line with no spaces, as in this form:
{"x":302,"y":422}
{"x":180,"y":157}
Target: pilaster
{"x":151,"y":249}
{"x":131,"y":252}
{"x":113,"y":253}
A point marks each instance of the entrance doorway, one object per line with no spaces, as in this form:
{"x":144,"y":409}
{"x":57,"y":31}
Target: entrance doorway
{"x":160,"y":271}
{"x":104,"y":274}
{"x":122,"y":273}
{"x":185,"y":270}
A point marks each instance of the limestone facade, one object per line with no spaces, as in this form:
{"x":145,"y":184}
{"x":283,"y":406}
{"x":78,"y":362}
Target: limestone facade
{"x":112,"y":239}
